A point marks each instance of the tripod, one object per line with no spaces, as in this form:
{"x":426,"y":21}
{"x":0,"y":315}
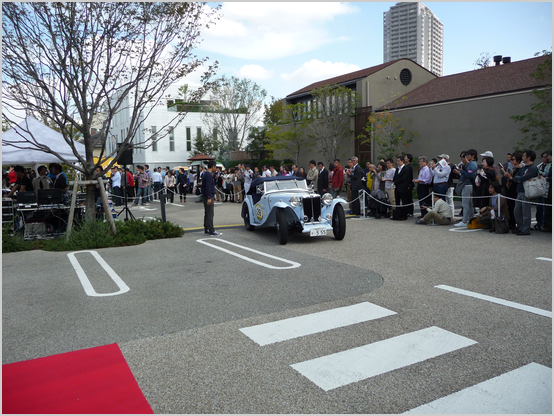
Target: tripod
{"x":127,"y":211}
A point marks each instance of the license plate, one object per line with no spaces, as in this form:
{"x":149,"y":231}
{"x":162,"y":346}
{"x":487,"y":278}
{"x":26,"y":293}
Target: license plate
{"x":314,"y":232}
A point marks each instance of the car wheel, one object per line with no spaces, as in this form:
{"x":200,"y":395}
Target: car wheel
{"x":246,"y":216}
{"x":282,"y":229}
{"x":339,"y":222}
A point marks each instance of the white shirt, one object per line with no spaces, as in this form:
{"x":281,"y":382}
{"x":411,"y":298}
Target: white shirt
{"x":267,"y":173}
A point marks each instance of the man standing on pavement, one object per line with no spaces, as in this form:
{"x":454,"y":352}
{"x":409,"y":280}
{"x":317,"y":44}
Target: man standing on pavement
{"x":423,"y":184}
{"x":116,"y":185}
{"x":389,"y":185}
{"x":322,"y":179}
{"x":248,"y":176}
{"x":311,"y":176}
{"x":356,"y":184}
{"x":294,"y":171}
{"x":208,"y":195}
{"x":522,"y":210}
{"x":157,"y":181}
{"x":338,"y":179}
{"x":149,"y":192}
{"x":403,"y":183}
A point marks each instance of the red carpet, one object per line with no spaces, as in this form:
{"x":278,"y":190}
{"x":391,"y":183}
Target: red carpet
{"x":95,"y":380}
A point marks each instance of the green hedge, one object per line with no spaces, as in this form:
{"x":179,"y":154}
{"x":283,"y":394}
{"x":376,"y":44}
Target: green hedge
{"x":96,"y":234}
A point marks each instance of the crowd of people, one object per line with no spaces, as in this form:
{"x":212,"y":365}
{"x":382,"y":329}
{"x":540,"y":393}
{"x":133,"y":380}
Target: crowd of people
{"x":487,"y":190}
{"x":18,"y":179}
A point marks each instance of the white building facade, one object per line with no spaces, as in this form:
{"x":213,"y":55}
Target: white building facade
{"x":172,"y":150}
{"x":411,"y":30}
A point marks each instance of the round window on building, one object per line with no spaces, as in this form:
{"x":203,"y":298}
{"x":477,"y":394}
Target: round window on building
{"x":405,"y":76}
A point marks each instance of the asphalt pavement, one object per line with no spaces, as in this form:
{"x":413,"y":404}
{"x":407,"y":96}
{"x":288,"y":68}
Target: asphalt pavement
{"x":182,"y":321}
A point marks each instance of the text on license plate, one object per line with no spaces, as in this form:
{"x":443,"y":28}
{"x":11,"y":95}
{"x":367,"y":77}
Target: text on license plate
{"x":314,"y":232}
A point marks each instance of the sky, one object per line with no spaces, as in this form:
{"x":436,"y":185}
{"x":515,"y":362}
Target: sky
{"x":286,"y":46}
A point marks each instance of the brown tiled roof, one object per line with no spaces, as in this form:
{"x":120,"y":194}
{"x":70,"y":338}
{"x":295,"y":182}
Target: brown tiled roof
{"x":362,"y":73}
{"x":505,"y":78}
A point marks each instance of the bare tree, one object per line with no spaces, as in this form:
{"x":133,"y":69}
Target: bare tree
{"x":64,"y":63}
{"x":237,"y":105}
{"x":331,"y":115}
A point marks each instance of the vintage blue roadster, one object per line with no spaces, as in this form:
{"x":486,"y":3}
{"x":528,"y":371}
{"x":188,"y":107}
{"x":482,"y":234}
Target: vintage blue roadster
{"x":286,"y":202}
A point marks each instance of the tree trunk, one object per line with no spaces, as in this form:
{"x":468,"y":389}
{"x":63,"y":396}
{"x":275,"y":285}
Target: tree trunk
{"x":90,"y":204}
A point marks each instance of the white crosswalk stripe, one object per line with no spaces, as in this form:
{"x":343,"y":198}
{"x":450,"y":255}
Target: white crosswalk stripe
{"x":340,"y":369}
{"x":316,"y":322}
{"x":525,"y":390}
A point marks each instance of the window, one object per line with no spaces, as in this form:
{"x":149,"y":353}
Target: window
{"x":154,"y":138}
{"x":405,"y":76}
{"x":189,"y":140}
{"x":171,"y":139}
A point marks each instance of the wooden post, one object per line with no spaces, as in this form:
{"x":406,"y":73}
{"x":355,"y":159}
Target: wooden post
{"x":72,"y":208}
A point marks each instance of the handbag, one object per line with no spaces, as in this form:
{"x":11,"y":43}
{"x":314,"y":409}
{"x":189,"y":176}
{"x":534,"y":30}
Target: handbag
{"x":460,"y":187}
{"x":535,"y":187}
{"x":500,"y":223}
{"x":474,"y":224}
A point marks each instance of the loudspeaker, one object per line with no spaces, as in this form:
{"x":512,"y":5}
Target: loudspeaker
{"x":126,"y":157}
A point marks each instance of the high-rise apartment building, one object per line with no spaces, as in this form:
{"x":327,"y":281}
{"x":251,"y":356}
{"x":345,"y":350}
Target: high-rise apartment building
{"x":411,"y":30}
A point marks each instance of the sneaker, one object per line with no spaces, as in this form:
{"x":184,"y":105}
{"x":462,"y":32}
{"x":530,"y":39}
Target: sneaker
{"x":215,"y":233}
{"x":522,"y":233}
{"x":461,"y":224}
{"x":134,"y":205}
{"x":419,"y":221}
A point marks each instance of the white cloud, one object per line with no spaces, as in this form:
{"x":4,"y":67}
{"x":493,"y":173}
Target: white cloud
{"x":262,"y":30}
{"x":255,"y":72}
{"x":315,"y":70}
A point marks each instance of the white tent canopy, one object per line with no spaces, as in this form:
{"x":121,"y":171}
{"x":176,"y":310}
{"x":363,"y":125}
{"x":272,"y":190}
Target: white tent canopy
{"x":29,"y":132}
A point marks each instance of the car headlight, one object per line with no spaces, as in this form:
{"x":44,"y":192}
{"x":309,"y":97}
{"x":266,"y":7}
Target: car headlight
{"x":295,"y":201}
{"x":327,"y":199}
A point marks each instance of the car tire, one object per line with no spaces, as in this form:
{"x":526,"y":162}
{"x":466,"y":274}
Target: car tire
{"x":339,"y":222}
{"x":246,"y":216}
{"x":282,"y":227}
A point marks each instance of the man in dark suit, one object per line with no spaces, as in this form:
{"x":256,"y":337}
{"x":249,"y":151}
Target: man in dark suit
{"x":356,"y":184}
{"x":403,"y":181}
{"x":322,"y":179}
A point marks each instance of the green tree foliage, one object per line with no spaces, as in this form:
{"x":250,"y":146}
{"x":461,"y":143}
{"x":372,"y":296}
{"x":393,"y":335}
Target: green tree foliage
{"x":330,"y":115}
{"x":236,"y":109}
{"x":289,"y":133}
{"x":258,"y":141}
{"x":389,"y":136}
{"x":537,"y":124}
{"x":67,"y":62}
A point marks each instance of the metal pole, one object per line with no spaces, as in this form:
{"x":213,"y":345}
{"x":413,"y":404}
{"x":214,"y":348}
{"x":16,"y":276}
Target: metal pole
{"x":162,"y":204}
{"x":72,"y":208}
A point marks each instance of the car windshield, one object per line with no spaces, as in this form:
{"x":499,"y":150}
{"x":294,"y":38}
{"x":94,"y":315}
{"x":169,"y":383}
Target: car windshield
{"x":285,"y":185}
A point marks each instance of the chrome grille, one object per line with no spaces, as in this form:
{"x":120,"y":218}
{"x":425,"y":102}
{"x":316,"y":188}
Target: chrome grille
{"x":312,"y":208}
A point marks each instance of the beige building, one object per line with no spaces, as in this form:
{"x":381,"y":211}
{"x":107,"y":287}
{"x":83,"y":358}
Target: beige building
{"x":376,"y":86}
{"x":450,"y":114}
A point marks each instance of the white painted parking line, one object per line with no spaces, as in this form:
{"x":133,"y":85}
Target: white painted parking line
{"x":499,"y":301}
{"x":342,"y":368}
{"x":525,"y":390}
{"x":543,"y":258}
{"x":89,"y":290}
{"x":314,"y":323}
{"x":291,"y":264}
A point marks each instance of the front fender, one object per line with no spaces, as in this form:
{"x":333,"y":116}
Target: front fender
{"x":250,"y":208}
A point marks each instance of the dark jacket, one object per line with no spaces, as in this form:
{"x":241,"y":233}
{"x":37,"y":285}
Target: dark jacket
{"x":524,"y":174}
{"x":356,"y":178}
{"x":208,"y":187}
{"x":403,"y":180}
{"x":323,"y":181}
